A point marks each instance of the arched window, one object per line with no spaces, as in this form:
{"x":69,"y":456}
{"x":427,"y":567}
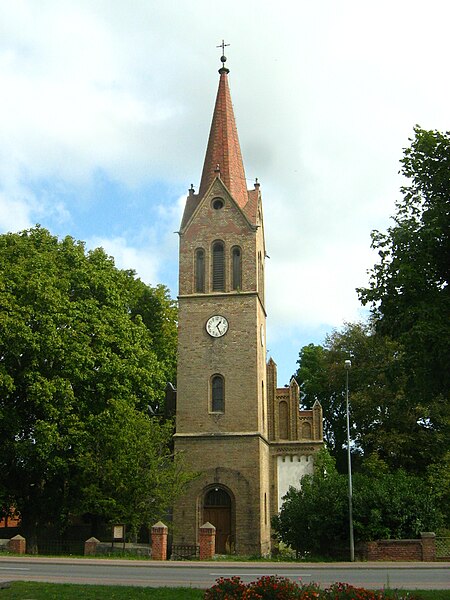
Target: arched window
{"x":218,"y":267}
{"x":306,"y":431}
{"x":217,"y":497}
{"x":199,"y":270}
{"x":263,"y":400}
{"x":283,"y":420}
{"x":261,"y":276}
{"x":217,"y":394}
{"x":236,"y":261}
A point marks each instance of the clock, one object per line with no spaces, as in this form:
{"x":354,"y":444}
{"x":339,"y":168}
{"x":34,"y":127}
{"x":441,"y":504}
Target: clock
{"x":217,"y":326}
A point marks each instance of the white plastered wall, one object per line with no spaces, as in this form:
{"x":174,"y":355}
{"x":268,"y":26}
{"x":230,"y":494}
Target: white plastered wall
{"x":290,"y":470}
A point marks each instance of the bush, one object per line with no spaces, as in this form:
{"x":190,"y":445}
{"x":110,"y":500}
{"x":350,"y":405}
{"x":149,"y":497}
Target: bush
{"x":226,"y":589}
{"x":386,"y":506}
{"x":272,"y":587}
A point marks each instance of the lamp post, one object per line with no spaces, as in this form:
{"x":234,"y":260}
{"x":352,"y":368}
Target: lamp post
{"x":347,"y":365}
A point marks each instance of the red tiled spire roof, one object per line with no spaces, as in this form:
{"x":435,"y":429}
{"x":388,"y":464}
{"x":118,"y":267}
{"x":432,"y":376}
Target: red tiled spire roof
{"x":223,"y":154}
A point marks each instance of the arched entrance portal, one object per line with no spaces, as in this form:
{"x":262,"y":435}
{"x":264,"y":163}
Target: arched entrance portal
{"x":217,"y":510}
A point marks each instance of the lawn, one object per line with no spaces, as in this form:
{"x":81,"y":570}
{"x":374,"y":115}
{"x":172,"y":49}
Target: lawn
{"x":24,"y":590}
{"x":30,"y":590}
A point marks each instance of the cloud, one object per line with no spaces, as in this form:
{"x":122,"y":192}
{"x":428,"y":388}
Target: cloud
{"x":142,"y":260}
{"x":325,"y":94}
{"x":14,"y":213}
{"x":148,"y":249}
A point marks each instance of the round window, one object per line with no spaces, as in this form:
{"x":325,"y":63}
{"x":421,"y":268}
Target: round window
{"x":217,"y":203}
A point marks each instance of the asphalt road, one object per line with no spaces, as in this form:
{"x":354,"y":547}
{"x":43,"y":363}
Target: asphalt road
{"x":201,"y":575}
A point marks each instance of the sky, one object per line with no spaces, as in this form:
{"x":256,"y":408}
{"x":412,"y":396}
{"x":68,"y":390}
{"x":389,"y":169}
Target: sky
{"x":105,"y":110}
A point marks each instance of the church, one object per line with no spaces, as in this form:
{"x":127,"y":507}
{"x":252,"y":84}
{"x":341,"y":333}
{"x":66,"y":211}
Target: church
{"x":244,"y":437}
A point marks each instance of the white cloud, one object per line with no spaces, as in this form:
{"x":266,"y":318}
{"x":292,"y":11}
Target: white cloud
{"x":142,"y":260}
{"x":325,"y":96}
{"x":147,"y":250}
{"x":14,"y":214}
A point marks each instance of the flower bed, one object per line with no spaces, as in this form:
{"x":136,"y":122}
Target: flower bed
{"x":281,"y":588}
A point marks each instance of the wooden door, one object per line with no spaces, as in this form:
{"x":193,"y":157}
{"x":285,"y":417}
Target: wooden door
{"x":220,"y":517}
{"x":217,"y":510}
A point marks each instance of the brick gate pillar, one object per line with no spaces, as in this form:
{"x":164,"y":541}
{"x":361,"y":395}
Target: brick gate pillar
{"x":159,"y":541}
{"x":90,"y":546}
{"x":17,"y":544}
{"x":428,"y":546}
{"x":207,"y":541}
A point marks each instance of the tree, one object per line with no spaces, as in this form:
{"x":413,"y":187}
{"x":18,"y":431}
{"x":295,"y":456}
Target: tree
{"x":72,"y":340}
{"x":128,"y":471}
{"x":388,"y":505}
{"x":381,"y":423}
{"x":409,"y":290}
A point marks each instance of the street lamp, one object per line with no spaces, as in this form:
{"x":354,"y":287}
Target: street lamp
{"x":347,"y":365}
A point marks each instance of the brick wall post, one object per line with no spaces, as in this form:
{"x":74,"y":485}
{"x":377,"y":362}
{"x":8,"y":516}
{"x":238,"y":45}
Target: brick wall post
{"x":17,"y":544}
{"x":428,"y":546}
{"x":159,"y":541}
{"x":90,"y":546}
{"x":372,"y":551}
{"x":207,"y":541}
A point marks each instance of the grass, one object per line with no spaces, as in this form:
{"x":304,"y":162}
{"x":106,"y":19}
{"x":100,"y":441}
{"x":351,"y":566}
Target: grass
{"x":25,"y":590}
{"x":30,"y":590}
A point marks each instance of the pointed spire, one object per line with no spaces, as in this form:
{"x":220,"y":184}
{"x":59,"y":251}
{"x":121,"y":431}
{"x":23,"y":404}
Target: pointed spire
{"x":223,"y":154}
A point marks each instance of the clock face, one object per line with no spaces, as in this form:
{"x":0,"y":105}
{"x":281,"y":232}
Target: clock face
{"x":217,"y":326}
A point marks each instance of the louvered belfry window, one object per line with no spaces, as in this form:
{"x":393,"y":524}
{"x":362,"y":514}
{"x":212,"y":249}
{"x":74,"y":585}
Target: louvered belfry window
{"x":199,"y":270}
{"x":218,"y":267}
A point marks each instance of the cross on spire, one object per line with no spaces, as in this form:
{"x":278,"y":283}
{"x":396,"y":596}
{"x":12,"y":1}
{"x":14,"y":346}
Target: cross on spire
{"x":223,"y":58}
{"x":223,"y":45}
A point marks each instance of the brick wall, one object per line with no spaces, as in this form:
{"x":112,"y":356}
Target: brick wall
{"x":422,"y":550}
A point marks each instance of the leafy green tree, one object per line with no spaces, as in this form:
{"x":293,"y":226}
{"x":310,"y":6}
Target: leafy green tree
{"x":128,"y":471}
{"x":380,"y":421}
{"x":325,"y":502}
{"x":438,"y":476}
{"x":409,"y":290}
{"x":159,"y":314}
{"x":389,"y":505}
{"x":72,"y":339}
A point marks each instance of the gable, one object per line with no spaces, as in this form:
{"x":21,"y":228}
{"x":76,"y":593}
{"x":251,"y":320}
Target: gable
{"x":231,"y":218}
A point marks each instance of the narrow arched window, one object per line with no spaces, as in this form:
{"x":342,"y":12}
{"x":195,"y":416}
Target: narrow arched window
{"x":283,"y":420}
{"x":217,"y":394}
{"x":218,"y":267}
{"x":306,"y":431}
{"x":199,"y":270}
{"x":236,"y":258}
{"x":263,"y":406}
{"x":261,"y":276}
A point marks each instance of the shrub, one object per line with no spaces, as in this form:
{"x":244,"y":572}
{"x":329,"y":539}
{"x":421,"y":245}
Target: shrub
{"x":226,"y":589}
{"x":344,"y":591}
{"x":272,"y":587}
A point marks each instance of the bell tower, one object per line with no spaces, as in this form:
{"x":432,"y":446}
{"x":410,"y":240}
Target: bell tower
{"x":222,"y":413}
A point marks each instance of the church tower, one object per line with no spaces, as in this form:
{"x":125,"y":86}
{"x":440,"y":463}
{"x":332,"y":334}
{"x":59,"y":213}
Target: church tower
{"x":222,"y":413}
{"x":245,"y":438}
